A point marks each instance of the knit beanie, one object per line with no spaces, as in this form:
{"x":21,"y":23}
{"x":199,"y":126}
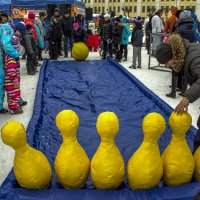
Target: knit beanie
{"x":75,"y":25}
{"x":31,"y":15}
{"x":184,"y":14}
{"x":164,"y":53}
{"x":20,"y":27}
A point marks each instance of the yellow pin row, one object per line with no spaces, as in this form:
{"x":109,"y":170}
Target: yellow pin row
{"x":145,"y":168}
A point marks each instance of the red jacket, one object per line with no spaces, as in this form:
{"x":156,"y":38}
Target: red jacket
{"x":31,"y":22}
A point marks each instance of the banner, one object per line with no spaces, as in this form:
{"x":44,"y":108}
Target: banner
{"x":19,"y":13}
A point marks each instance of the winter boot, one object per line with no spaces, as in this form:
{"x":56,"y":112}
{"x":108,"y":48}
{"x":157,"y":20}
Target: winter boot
{"x":172,"y":94}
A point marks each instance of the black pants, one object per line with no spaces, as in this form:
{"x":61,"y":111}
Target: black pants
{"x":31,"y":64}
{"x":124,"y":47}
{"x":53,"y":50}
{"x":39,"y":52}
{"x":117,"y":50}
{"x":197,"y":137}
{"x":59,"y":46}
{"x":147,"y":43}
{"x":65,"y":41}
{"x":107,"y":47}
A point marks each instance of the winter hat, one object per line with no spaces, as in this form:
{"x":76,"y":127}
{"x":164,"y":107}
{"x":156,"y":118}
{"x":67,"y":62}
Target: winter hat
{"x":57,"y":10}
{"x":28,"y":27}
{"x":107,"y":16}
{"x":76,"y":25}
{"x":4,"y":15}
{"x":31,"y":15}
{"x":139,"y":18}
{"x":164,"y":53}
{"x":42,"y":14}
{"x":184,"y":14}
{"x":21,"y":28}
{"x":117,"y":19}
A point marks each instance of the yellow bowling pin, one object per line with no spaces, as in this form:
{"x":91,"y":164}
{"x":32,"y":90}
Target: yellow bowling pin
{"x":197,"y":164}
{"x":107,"y":165}
{"x":145,"y":167}
{"x":72,"y":165}
{"x":178,"y":161}
{"x":32,"y":169}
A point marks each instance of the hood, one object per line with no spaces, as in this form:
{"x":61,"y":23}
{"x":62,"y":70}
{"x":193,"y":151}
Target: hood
{"x":174,"y":10}
{"x":124,"y":20}
{"x":28,"y":20}
{"x":178,"y":50}
{"x":186,"y":20}
{"x":184,"y":14}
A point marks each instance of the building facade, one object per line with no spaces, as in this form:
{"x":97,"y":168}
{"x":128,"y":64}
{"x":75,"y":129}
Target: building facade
{"x":134,"y":8}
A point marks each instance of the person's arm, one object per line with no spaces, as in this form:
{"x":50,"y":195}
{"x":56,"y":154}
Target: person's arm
{"x":167,"y":26}
{"x":6,"y":42}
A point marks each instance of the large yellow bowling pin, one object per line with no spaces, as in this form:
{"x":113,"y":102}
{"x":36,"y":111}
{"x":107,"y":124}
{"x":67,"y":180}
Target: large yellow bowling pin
{"x":32,"y":169}
{"x":145,"y":168}
{"x":107,"y":165}
{"x":178,"y":161}
{"x":197,"y":164}
{"x":72,"y":165}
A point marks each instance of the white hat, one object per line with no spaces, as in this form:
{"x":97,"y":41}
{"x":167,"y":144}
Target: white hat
{"x":106,"y":16}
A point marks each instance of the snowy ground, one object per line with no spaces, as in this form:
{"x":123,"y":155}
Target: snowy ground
{"x":157,"y":81}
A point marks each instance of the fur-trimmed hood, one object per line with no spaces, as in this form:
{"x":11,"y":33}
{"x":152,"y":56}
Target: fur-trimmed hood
{"x":179,"y":51}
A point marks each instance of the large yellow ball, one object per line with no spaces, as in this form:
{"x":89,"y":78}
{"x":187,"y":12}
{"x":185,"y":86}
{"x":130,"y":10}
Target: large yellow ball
{"x":80,"y":51}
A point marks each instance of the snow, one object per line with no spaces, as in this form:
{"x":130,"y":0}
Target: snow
{"x":156,"y":81}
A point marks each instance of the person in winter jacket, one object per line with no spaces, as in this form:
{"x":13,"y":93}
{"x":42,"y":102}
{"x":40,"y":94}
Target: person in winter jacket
{"x":117,"y":38}
{"x":125,"y":39}
{"x":106,"y":35}
{"x":6,"y":47}
{"x":40,"y":23}
{"x":185,"y":26}
{"x":169,"y":24}
{"x":12,"y":74}
{"x":67,"y":26}
{"x":137,"y":40}
{"x":54,"y":38}
{"x":182,"y":56}
{"x":59,"y":31}
{"x":157,"y":27}
{"x":31,"y":50}
{"x":31,"y":21}
{"x":78,"y":34}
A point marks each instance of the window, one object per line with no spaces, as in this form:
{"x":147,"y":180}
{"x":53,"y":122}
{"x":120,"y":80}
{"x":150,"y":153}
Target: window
{"x":114,"y":9}
{"x":118,"y":9}
{"x":135,"y":8}
{"x":153,"y":9}
{"x":182,"y":7}
{"x":148,"y":9}
{"x":193,"y":8}
{"x":118,"y":0}
{"x":131,"y":0}
{"x":88,"y":1}
{"x":135,"y":0}
{"x":130,"y":9}
{"x":143,"y":8}
{"x":103,"y":10}
{"x":126,"y":0}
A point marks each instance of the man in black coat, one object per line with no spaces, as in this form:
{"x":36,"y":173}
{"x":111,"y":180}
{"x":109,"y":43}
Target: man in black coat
{"x":182,"y":56}
{"x":59,"y":29}
{"x":106,"y":35}
{"x":67,"y":26}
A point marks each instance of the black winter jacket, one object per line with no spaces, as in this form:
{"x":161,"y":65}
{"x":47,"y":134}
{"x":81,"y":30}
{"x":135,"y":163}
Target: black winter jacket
{"x":117,"y":34}
{"x":67,"y":26}
{"x":192,"y":70}
{"x":79,"y":35}
{"x":106,"y":31}
{"x":30,"y":44}
{"x":185,"y":29}
{"x":54,"y":33}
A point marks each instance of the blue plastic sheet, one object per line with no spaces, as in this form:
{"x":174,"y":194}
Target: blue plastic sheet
{"x":89,"y":88}
{"x":5,"y":6}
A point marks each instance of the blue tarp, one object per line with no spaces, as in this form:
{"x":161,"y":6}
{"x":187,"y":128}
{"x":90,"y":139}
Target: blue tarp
{"x":5,"y":6}
{"x":89,"y":88}
{"x":43,"y":3}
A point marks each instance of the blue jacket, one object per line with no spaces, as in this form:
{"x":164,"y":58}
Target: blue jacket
{"x":39,"y":42}
{"x":125,"y":35}
{"x":6,"y":33}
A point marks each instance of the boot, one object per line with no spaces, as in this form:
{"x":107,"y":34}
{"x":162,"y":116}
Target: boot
{"x":172,"y":94}
{"x":184,"y":87}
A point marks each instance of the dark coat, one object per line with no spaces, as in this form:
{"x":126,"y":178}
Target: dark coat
{"x":192,"y":70}
{"x":67,"y":26}
{"x":30,"y":44}
{"x":106,"y":31}
{"x":54,"y":33}
{"x":137,"y":35}
{"x":185,"y":29}
{"x":116,"y":34}
{"x":79,"y":35}
{"x":59,"y":25}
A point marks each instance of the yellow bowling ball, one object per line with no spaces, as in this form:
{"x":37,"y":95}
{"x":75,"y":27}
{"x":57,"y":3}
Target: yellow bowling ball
{"x":80,"y":51}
